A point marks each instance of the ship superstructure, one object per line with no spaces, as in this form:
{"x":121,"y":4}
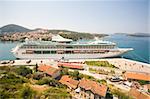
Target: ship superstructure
{"x":61,"y":48}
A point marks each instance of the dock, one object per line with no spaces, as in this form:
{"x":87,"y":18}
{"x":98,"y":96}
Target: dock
{"x":121,"y":63}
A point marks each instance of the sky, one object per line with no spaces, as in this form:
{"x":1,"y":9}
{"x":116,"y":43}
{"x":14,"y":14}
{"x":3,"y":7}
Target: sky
{"x":95,"y":16}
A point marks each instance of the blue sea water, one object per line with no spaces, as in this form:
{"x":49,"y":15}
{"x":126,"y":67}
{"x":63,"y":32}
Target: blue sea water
{"x":140,"y":45}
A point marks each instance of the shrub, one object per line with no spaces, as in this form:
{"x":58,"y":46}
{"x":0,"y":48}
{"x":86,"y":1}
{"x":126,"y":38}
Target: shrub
{"x":23,"y":71}
{"x":38,"y":75}
{"x":44,"y":80}
{"x":50,"y":81}
{"x":11,"y":78}
{"x":57,"y":93}
{"x":27,"y":93}
{"x":75,"y":75}
{"x":64,"y":71}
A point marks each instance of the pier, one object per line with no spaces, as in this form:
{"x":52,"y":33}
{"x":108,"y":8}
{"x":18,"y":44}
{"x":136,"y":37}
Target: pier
{"x":121,"y":63}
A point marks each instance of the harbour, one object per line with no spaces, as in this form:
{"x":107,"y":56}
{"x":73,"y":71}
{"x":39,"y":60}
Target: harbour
{"x":137,"y":54}
{"x":80,"y":49}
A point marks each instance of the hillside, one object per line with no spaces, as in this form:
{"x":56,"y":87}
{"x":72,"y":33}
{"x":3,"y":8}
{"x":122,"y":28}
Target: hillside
{"x":12,"y":28}
{"x":14,"y":32}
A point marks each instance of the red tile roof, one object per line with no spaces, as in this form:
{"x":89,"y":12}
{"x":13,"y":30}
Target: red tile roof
{"x":93,"y":86}
{"x":71,"y":65}
{"x":69,"y":81}
{"x":137,"y":76}
{"x":43,"y":68}
{"x":48,"y":69}
{"x":138,"y":95}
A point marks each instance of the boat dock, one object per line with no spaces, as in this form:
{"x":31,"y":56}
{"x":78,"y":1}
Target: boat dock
{"x":121,"y":63}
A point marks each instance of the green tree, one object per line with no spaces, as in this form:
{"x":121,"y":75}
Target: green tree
{"x":75,"y":74}
{"x":23,"y":71}
{"x":64,"y":71}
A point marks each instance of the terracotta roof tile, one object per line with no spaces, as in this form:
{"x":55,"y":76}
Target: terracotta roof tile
{"x":71,"y":65}
{"x":48,"y":69}
{"x":95,"y":87}
{"x":138,"y":95}
{"x":43,"y":68}
{"x":69,"y":81}
{"x":137,"y":76}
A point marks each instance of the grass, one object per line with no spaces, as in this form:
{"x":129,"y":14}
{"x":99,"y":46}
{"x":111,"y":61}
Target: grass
{"x":99,"y":71}
{"x":100,"y":64}
{"x":56,"y":93}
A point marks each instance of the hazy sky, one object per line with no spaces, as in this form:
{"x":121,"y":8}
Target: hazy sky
{"x":100,"y":16}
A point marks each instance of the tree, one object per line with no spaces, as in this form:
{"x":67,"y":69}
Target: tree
{"x":75,"y":74}
{"x":36,"y":67}
{"x":64,"y":71}
{"x":23,"y":71}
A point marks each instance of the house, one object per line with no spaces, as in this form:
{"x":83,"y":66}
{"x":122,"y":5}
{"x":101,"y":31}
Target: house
{"x":137,"y":94}
{"x":49,"y":70}
{"x":69,"y":82}
{"x":137,"y":76}
{"x":71,"y":65}
{"x":91,"y":90}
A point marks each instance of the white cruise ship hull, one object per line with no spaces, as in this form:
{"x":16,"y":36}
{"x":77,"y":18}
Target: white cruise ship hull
{"x":113,"y":53}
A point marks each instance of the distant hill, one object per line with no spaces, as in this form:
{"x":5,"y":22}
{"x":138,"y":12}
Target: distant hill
{"x":11,"y":28}
{"x":140,"y":34}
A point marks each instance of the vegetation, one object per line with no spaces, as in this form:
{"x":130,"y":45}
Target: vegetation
{"x":121,"y":95}
{"x":99,"y":71}
{"x":118,"y":93}
{"x":37,"y":76}
{"x":50,"y":81}
{"x":56,"y":93}
{"x":15,"y":85}
{"x":13,"y":28}
{"x":23,"y":71}
{"x":143,"y":82}
{"x":27,"y":93}
{"x":10,"y":85}
{"x":100,"y":63}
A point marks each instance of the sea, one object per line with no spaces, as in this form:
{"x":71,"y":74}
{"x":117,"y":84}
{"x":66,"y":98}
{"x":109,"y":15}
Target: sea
{"x":141,"y":46}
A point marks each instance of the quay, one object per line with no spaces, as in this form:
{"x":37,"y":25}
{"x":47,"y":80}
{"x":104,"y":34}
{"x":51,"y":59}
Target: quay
{"x":121,"y":63}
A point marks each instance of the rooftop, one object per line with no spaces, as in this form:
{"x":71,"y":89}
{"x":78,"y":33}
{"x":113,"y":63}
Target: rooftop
{"x":137,"y":76}
{"x":48,"y":69}
{"x":70,"y":65}
{"x":138,"y":95}
{"x":69,"y":81}
{"x":93,"y":86}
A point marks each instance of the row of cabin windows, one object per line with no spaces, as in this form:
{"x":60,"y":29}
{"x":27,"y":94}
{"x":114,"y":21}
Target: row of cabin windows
{"x":69,"y":47}
{"x":65,"y":52}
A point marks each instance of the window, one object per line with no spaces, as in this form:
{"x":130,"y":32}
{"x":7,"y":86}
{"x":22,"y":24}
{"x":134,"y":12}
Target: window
{"x":37,"y":52}
{"x":46,"y":52}
{"x":53,"y":52}
{"x":69,"y":47}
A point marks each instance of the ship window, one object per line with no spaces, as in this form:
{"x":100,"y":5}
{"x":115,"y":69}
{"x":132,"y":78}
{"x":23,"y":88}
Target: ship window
{"x":46,"y":52}
{"x":69,"y":47}
{"x":53,"y":52}
{"x":37,"y":52}
{"x":68,"y":52}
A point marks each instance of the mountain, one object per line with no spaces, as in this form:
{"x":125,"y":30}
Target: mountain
{"x":140,"y":34}
{"x":11,"y":28}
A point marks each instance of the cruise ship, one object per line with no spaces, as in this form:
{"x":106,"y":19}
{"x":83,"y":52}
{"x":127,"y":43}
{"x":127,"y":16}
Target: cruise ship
{"x":62,"y":48}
